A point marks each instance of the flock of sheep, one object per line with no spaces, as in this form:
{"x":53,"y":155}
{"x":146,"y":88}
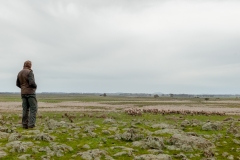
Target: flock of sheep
{"x":139,"y":112}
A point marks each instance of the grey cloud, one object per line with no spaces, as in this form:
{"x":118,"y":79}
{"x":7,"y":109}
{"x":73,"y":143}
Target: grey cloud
{"x":128,"y":46}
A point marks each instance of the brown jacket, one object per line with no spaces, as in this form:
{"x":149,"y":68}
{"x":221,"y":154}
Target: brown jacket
{"x":26,"y":81}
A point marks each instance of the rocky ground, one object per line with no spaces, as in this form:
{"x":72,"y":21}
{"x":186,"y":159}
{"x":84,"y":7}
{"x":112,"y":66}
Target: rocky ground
{"x":117,"y":135}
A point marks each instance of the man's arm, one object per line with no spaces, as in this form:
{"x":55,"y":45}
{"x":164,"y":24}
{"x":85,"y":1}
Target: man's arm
{"x":18,"y":83}
{"x":31,"y":80}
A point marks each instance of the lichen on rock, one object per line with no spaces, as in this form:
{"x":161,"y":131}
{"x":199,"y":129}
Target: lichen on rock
{"x":44,"y":137}
{"x":18,"y":146}
{"x":150,"y":143}
{"x":168,"y":131}
{"x":3,"y":135}
{"x":52,"y":124}
{"x":163,"y":126}
{"x":61,"y":147}
{"x":185,"y":123}
{"x":154,"y":143}
{"x":192,"y":141}
{"x":86,"y":146}
{"x":109,"y":120}
{"x":25,"y":157}
{"x":153,"y":157}
{"x":14,"y":137}
{"x":209,"y":126}
{"x":89,"y":128}
{"x":95,"y":154}
{"x":131,"y":135}
{"x":106,"y":132}
{"x":2,"y":154}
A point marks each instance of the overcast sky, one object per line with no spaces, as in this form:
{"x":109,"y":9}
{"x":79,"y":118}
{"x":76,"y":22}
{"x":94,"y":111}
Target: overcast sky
{"x":168,"y":46}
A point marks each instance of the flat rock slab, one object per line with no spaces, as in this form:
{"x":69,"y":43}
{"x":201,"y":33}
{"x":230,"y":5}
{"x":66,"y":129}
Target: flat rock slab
{"x":153,"y":157}
{"x":2,"y":154}
{"x":193,"y":141}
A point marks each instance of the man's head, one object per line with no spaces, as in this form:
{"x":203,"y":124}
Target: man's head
{"x":27,"y":64}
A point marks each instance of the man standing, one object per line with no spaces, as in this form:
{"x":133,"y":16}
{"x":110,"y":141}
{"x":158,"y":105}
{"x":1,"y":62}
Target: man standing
{"x":26,"y":81}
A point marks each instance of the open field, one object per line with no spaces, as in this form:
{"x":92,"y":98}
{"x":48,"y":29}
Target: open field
{"x":94,"y":127}
{"x":12,"y":103}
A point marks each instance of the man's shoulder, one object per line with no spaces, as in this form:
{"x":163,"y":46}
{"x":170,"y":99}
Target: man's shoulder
{"x":24,"y":70}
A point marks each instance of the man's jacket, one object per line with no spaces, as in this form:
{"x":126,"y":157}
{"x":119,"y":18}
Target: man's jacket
{"x":26,"y":81}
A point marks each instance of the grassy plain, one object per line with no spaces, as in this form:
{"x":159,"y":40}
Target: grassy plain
{"x":105,"y":130}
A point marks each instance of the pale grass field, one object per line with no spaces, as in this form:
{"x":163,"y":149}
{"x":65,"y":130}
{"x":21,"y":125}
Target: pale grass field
{"x":116,"y":104}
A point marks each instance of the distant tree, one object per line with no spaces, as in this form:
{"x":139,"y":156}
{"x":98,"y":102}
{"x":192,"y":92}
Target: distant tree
{"x":156,"y":96}
{"x":171,"y":95}
{"x":206,"y":99}
{"x":104,"y":94}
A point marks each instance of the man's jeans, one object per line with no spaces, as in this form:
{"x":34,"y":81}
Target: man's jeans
{"x":29,"y":105}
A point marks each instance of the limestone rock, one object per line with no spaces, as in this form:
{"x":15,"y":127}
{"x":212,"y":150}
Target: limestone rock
{"x":155,"y":151}
{"x":89,"y":129}
{"x":86,"y":146}
{"x":44,"y":137}
{"x":154,"y":143}
{"x":208,"y":153}
{"x":236,"y":141}
{"x":92,"y":134}
{"x":56,"y":149}
{"x":180,"y":155}
{"x":192,"y":134}
{"x":123,"y":148}
{"x":131,"y":135}
{"x":120,"y":154}
{"x":106,"y":132}
{"x":107,"y":157}
{"x":225,"y":154}
{"x":14,"y":137}
{"x":52,"y":124}
{"x":233,"y":130}
{"x":153,"y":157}
{"x":114,"y":129}
{"x":192,"y":141}
{"x":162,"y":126}
{"x":150,"y":143}
{"x":2,"y":154}
{"x":138,"y":143}
{"x":185,"y":123}
{"x":3,"y":135}
{"x":61,"y":147}
{"x":24,"y":157}
{"x":18,"y":146}
{"x":196,"y":122}
{"x":172,"y":148}
{"x":229,"y":119}
{"x":209,"y":126}
{"x":94,"y":154}
{"x":109,"y":120}
{"x":3,"y":129}
{"x":33,"y":131}
{"x":169,"y":131}
{"x":230,"y":157}
{"x":186,"y":148}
